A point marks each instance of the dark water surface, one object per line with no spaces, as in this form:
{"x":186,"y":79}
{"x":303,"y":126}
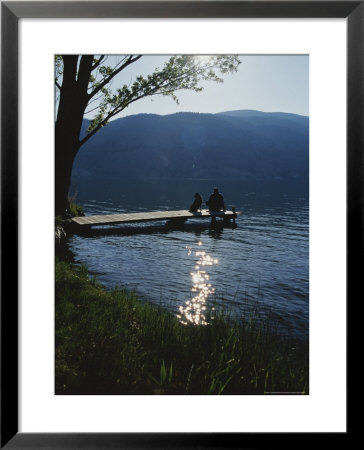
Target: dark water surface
{"x":263,"y":263}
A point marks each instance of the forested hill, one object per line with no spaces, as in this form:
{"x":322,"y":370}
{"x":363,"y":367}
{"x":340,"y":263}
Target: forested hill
{"x":241,"y":145}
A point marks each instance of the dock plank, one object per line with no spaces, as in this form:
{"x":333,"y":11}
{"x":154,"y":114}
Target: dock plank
{"x":108,"y":219}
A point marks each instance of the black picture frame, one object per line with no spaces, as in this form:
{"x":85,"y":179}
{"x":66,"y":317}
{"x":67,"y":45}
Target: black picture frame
{"x":11,"y":12}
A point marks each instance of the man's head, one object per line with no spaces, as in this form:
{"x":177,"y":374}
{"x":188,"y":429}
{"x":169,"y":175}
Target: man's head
{"x":216,"y":190}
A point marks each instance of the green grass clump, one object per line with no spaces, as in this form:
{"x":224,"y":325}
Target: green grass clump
{"x":112,"y":343}
{"x":74,"y":209}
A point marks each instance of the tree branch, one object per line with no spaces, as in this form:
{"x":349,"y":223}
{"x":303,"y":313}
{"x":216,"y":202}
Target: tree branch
{"x":166,"y":82}
{"x":155,"y":91}
{"x":98,"y":62}
{"x":129,"y":61}
{"x":69,"y":69}
{"x":111,"y":114}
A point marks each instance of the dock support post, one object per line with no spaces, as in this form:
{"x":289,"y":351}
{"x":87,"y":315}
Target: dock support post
{"x":234,"y":216}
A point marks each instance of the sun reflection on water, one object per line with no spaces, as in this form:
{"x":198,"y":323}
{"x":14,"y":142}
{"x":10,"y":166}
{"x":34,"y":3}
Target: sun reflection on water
{"x":194,"y":310}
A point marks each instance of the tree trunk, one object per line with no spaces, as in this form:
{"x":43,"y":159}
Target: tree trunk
{"x":66,"y":151}
{"x":71,"y":108}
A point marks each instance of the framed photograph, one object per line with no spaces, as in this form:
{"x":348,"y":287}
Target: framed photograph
{"x":182,"y":224}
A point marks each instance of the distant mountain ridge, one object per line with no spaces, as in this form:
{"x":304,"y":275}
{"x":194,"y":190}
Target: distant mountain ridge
{"x":253,"y":146}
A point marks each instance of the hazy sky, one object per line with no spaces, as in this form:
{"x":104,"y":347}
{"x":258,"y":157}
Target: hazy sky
{"x":265,"y":83}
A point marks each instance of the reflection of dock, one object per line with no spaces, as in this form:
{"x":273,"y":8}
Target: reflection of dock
{"x":154,"y":216}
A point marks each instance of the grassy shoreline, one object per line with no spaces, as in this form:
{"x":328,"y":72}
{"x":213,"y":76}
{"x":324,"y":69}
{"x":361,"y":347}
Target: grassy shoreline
{"x":109,"y":342}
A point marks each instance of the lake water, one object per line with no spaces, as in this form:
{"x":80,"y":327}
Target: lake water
{"x":263,"y":263}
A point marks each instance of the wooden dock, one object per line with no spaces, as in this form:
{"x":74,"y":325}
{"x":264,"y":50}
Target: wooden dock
{"x":172,"y":216}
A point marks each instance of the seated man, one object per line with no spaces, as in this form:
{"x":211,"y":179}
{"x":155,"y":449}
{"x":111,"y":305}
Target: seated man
{"x":216,"y":201}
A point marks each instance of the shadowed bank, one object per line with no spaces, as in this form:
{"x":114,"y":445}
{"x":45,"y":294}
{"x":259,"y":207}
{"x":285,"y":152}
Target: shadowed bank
{"x":112,"y":343}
